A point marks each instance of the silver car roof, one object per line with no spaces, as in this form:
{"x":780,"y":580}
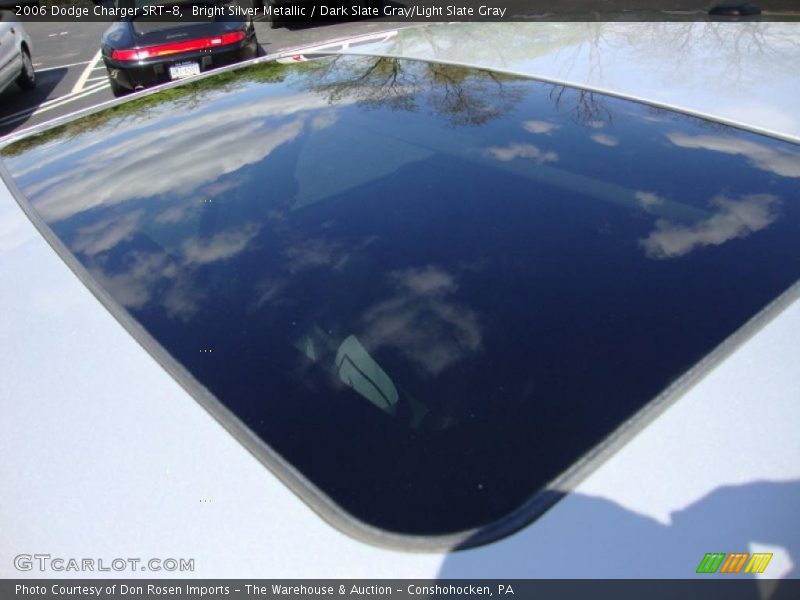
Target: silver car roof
{"x":107,"y":456}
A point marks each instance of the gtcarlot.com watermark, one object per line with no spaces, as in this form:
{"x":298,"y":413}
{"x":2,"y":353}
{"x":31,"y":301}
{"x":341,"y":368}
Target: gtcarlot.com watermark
{"x":58,"y":564}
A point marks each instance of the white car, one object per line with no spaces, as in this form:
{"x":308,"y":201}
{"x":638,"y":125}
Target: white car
{"x":15,"y":54}
{"x":480,"y":301}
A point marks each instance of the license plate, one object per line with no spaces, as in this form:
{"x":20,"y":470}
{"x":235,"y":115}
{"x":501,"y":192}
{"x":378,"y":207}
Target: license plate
{"x":182,"y":70}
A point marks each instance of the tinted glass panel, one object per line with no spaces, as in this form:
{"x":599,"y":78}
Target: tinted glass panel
{"x":431,"y":289}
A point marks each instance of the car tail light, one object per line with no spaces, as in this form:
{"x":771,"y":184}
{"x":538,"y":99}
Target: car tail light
{"x":226,"y":39}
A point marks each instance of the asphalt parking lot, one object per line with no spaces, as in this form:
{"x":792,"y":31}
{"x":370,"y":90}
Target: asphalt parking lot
{"x":71,"y":76}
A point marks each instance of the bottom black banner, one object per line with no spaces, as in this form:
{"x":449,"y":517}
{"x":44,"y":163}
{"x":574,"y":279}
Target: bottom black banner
{"x":239,"y":589}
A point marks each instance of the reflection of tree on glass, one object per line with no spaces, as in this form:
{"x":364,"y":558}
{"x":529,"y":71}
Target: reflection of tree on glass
{"x":462,"y":95}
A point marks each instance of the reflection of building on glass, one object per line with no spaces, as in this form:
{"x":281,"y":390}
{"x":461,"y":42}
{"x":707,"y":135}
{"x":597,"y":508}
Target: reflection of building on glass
{"x":360,"y":371}
{"x":357,"y":369}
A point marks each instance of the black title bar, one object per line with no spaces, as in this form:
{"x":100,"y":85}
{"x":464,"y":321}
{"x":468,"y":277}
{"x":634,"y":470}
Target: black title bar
{"x":313,"y":11}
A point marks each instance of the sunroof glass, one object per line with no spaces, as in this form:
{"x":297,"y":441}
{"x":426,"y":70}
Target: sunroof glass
{"x":431,"y":289}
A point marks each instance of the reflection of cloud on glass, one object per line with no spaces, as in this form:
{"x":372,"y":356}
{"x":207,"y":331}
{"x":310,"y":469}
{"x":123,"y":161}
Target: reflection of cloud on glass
{"x":648,"y":200}
{"x":182,"y":298}
{"x":421,"y":322}
{"x":135,"y":284}
{"x":106,"y":233}
{"x":173,"y":214}
{"x":194,"y":151}
{"x":514,"y":150}
{"x":732,"y":219}
{"x":169,"y":120}
{"x":133,"y":287}
{"x":774,"y":160}
{"x":605,"y":139}
{"x":184,"y":209}
{"x":220,"y":246}
{"x":268,"y":292}
{"x":539,"y":127}
{"x":314,"y":253}
{"x":427,"y":281}
{"x":324,"y":120}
